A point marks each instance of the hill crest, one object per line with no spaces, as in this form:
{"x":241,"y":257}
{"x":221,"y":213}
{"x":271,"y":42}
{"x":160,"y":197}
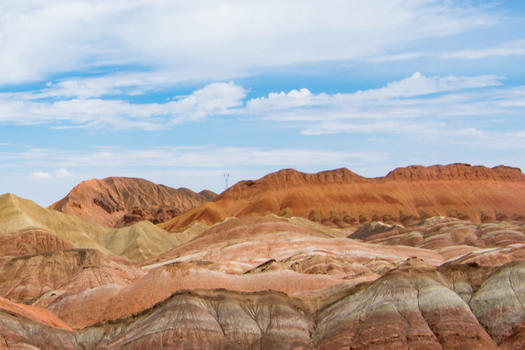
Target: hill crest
{"x":122,"y":201}
{"x":342,"y":198}
{"x":137,"y":242}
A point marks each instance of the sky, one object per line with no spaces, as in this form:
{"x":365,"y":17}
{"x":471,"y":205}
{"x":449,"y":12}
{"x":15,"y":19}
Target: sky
{"x":183,"y":92}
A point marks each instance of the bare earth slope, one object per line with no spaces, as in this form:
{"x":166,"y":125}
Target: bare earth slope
{"x":274,"y":283}
{"x":453,"y":307}
{"x":20,"y":217}
{"x":342,"y":198}
{"x":370,"y":270}
{"x":122,"y":201}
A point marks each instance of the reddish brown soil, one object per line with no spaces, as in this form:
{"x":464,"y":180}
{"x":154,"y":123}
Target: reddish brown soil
{"x":33,"y":313}
{"x":122,"y":201}
{"x":343,"y":198}
{"x":268,"y":282}
{"x":29,"y":243}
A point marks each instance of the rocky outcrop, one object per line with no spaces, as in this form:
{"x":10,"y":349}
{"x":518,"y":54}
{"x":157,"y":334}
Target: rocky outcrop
{"x":403,"y":281}
{"x":34,"y":313}
{"x":29,"y":243}
{"x":373,"y":228}
{"x":210,"y":320}
{"x":447,"y":235}
{"x":240,"y":244}
{"x":122,"y":201}
{"x":503,"y":291}
{"x":342,"y":198}
{"x":20,"y":332}
{"x":453,"y":307}
{"x":61,"y":281}
{"x":44,"y":278}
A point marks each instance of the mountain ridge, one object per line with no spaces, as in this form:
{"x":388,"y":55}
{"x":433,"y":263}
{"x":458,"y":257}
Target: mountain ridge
{"x":343,"y":198}
{"x":122,"y":201}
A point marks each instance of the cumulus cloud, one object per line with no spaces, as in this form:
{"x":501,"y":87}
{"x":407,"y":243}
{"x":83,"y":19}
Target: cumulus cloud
{"x":199,"y":38}
{"x":415,"y":96}
{"x":213,"y":99}
{"x":418,"y":106}
{"x":415,"y":85}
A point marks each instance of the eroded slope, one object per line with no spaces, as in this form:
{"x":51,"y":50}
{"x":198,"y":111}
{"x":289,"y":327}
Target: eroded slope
{"x":122,"y":201}
{"x":24,"y":221}
{"x":343,"y":198}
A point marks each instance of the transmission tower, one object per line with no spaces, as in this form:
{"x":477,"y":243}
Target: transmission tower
{"x":226,"y":177}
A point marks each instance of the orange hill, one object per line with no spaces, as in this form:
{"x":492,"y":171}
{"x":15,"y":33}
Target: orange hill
{"x":122,"y":201}
{"x":343,"y":198}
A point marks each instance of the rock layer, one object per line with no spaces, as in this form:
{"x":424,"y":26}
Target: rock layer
{"x":20,"y":217}
{"x":279,"y":282}
{"x":122,"y":201}
{"x":343,"y":198}
{"x":409,"y":307}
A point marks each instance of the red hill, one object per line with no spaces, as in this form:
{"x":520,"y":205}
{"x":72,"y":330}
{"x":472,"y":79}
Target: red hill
{"x":343,"y":198}
{"x":122,"y":201}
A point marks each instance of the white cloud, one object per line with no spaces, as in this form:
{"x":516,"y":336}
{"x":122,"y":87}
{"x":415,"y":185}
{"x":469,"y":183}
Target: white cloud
{"x":283,"y":100}
{"x":199,"y":38}
{"x":408,"y":98}
{"x":510,"y":48}
{"x":405,"y":56}
{"x":417,"y":85}
{"x":205,"y":157}
{"x":62,"y":172}
{"x":192,"y":167}
{"x":212,"y":100}
{"x":418,"y":107}
{"x":122,"y":83}
{"x":41,"y":175}
{"x":413,"y":105}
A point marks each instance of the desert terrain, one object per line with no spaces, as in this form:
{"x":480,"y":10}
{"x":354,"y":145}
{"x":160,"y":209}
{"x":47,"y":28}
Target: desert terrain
{"x":422,"y":258}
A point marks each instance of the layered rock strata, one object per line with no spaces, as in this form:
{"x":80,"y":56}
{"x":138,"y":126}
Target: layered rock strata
{"x":122,"y":201}
{"x":343,"y":198}
{"x":410,"y":307}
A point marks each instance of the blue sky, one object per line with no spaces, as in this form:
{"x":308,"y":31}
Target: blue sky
{"x":181,"y":93}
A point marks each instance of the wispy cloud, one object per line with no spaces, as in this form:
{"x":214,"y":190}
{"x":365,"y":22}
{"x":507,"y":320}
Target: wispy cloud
{"x":510,"y":48}
{"x":194,"y":39}
{"x":27,"y":109}
{"x":469,"y":111}
{"x":192,"y":167}
{"x":415,"y":85}
{"x":416,"y":105}
{"x":57,"y":174}
{"x":41,"y":175}
{"x":415,"y":96}
{"x":204,"y":157}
